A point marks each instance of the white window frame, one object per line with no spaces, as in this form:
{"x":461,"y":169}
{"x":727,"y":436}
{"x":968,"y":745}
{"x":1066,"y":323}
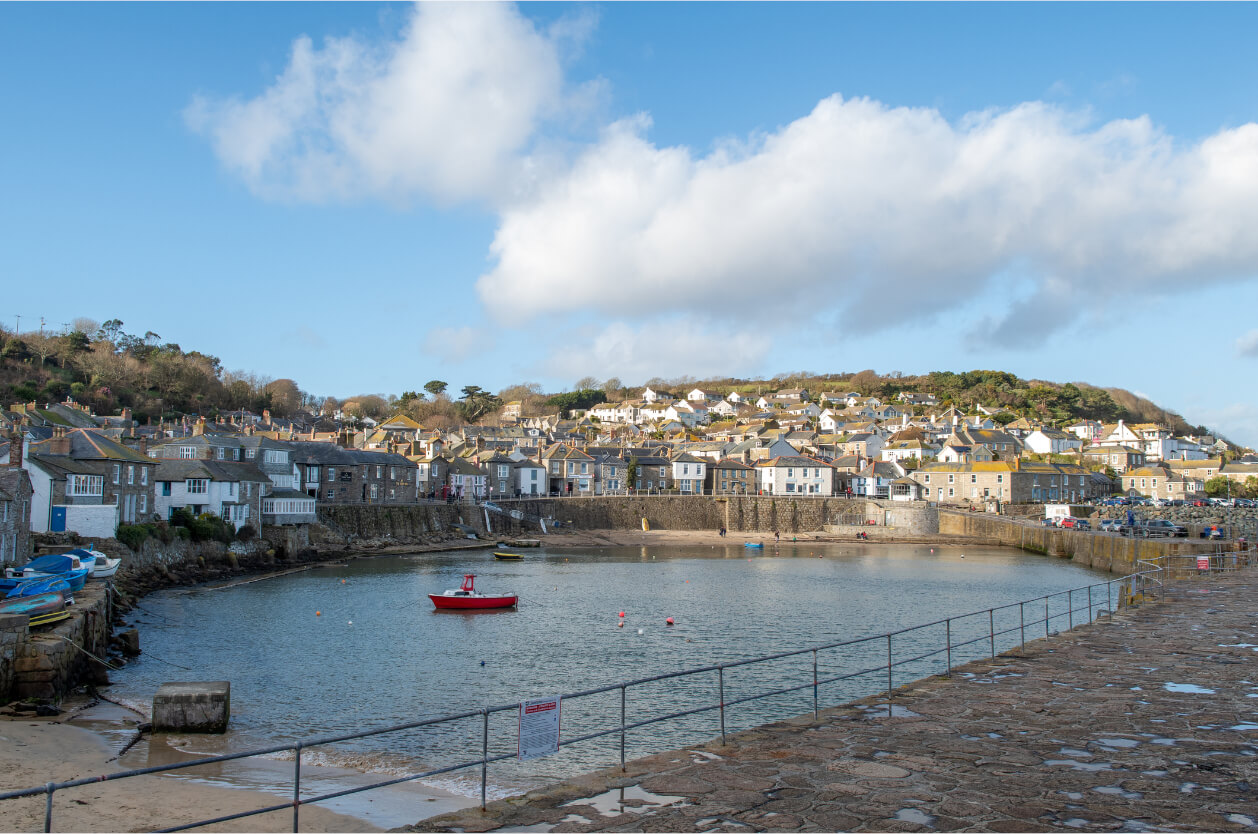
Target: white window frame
{"x":197,"y":486}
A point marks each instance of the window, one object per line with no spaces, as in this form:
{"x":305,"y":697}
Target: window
{"x":790,"y":472}
{"x":331,"y":473}
{"x":249,"y":453}
{"x":503,"y":470}
{"x":392,"y":473}
{"x":331,"y":494}
{"x":165,"y":487}
{"x":117,"y":473}
{"x":220,"y":452}
{"x":248,"y":489}
{"x":187,"y":452}
{"x":585,"y":469}
{"x":379,"y":471}
{"x":950,"y":492}
{"x":144,"y":503}
{"x":554,"y":467}
{"x":130,"y":473}
{"x":144,"y":476}
{"x":1000,"y":479}
{"x":974,"y":479}
{"x":197,"y":486}
{"x":926,"y":479}
{"x":534,"y":474}
{"x":950,"y":480}
{"x":373,"y":492}
{"x":85,"y":485}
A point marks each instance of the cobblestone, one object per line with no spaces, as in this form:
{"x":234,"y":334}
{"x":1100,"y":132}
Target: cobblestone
{"x":1081,"y":733}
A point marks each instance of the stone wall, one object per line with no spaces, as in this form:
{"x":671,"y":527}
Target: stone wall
{"x":53,"y":659}
{"x":13,"y":633}
{"x":738,"y":514}
{"x":417,"y":522}
{"x":1116,"y":554}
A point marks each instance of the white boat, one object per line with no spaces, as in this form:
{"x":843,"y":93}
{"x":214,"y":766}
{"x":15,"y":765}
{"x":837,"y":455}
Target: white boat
{"x":99,"y":565}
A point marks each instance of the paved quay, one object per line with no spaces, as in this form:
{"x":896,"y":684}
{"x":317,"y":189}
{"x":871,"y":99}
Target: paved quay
{"x":1148,"y":723}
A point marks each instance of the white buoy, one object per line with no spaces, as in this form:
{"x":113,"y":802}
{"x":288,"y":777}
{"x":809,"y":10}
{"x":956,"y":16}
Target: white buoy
{"x":639,"y":631}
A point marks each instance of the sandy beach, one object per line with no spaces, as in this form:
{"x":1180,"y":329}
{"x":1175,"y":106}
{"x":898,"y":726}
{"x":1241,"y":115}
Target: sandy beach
{"x":34,"y":751}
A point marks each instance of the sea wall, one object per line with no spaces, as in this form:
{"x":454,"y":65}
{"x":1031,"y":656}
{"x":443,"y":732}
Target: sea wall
{"x":738,"y":514}
{"x":51,"y":660}
{"x":1107,"y":552}
{"x":401,"y":524}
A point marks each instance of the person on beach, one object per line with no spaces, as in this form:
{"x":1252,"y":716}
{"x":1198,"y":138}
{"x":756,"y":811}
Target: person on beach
{"x":777,"y":537}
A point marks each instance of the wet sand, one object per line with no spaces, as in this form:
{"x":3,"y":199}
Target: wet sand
{"x":76,"y":745}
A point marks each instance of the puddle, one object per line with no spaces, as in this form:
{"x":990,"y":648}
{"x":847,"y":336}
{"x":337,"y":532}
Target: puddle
{"x":1115,"y":790}
{"x":1075,"y":822}
{"x":1154,"y":772}
{"x":1117,"y":742}
{"x":896,"y":712}
{"x":1137,"y":689}
{"x":994,"y":735}
{"x":706,"y":821}
{"x":1090,"y":767}
{"x":1242,"y":819}
{"x":711,"y":757}
{"x":1166,"y":742}
{"x":1075,"y":754}
{"x":1244,"y":727}
{"x":1075,"y":795}
{"x":1190,"y":688}
{"x":632,"y":800}
{"x":914,"y":815}
{"x":1188,"y":787}
{"x":1238,"y":646}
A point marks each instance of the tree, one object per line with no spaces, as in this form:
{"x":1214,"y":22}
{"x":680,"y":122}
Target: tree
{"x":329,"y":407}
{"x":612,"y":388}
{"x":285,"y":396}
{"x":1218,"y":485}
{"x":587,"y":382}
{"x":435,"y":387}
{"x":476,"y":403}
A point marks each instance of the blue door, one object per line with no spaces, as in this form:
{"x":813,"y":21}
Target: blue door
{"x":58,"y":519}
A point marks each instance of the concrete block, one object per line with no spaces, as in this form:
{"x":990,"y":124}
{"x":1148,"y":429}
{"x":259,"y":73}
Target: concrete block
{"x":192,"y":707}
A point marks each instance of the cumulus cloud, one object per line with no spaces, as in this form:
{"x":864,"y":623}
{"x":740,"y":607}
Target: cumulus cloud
{"x":657,"y":348}
{"x":444,"y":111}
{"x":858,"y":198}
{"x":1247,"y":345}
{"x":455,"y":344}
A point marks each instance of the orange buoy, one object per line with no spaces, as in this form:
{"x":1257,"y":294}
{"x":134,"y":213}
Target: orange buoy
{"x":669,"y":621}
{"x":318,"y":613}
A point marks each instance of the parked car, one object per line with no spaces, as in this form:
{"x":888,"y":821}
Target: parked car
{"x":1070,"y":522}
{"x":1160,"y":527}
{"x":1109,"y":525}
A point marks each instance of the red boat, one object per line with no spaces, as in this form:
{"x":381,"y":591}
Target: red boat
{"x":467,"y":598}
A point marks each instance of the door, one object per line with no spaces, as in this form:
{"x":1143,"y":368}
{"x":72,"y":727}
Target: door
{"x":58,"y":520}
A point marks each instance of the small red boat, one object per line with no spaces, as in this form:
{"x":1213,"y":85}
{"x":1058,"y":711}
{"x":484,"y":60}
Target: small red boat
{"x":467,"y":598}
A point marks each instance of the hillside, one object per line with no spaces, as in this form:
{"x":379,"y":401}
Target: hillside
{"x":108,"y":369}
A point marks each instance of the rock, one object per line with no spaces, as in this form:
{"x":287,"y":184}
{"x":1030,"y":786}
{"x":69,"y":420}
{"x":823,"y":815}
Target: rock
{"x":129,"y":641}
{"x":47,"y":710}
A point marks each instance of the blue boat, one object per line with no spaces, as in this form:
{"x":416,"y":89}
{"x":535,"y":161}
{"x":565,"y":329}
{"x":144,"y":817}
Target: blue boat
{"x":10,"y":588}
{"x":58,"y":565}
{"x":41,"y":608}
{"x":753,"y":544}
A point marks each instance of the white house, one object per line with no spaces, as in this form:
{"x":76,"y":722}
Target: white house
{"x":232,"y":491}
{"x":1052,"y":442}
{"x":688,"y":473}
{"x":794,"y":475}
{"x":700,"y":396}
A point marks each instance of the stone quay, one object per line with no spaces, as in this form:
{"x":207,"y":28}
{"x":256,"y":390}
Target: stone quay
{"x":1148,"y":722}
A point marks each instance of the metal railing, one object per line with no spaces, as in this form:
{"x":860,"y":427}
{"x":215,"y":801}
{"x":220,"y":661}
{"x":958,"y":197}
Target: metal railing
{"x":928,"y":649}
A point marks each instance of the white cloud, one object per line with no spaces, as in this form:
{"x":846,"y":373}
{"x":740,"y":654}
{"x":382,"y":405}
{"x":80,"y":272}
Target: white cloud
{"x":444,"y":111}
{"x":1247,"y":345}
{"x":456,"y":344}
{"x":857,"y":199}
{"x":658,"y":348}
{"x":1237,"y":422}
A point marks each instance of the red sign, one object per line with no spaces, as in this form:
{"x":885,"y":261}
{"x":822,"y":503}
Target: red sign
{"x":1203,"y":563}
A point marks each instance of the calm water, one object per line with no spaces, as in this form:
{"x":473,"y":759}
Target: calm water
{"x":378,"y":654}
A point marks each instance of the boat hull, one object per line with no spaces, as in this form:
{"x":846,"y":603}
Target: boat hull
{"x":41,"y":608}
{"x":469,"y":603}
{"x":508,"y":557}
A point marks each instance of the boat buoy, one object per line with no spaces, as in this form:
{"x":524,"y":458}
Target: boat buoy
{"x":482,"y":663}
{"x":639,"y":631}
{"x":932,"y":550}
{"x":622,"y":613}
{"x":318,"y":613}
{"x":962,"y":555}
{"x":342,"y":581}
{"x":669,"y":621}
{"x":351,"y":622}
{"x":620,"y":624}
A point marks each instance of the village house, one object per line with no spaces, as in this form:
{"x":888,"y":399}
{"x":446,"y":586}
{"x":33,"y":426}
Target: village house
{"x":1161,"y":482}
{"x":1015,"y":481}
{"x":231,"y":490}
{"x":1046,"y":441}
{"x":651,"y":472}
{"x":688,"y":473}
{"x":1118,"y":457}
{"x":730,"y":477}
{"x":794,"y":475}
{"x":86,"y":483}
{"x":611,"y":475}
{"x":333,"y":475}
{"x":875,"y":479}
{"x":16,"y":493}
{"x":570,"y":470}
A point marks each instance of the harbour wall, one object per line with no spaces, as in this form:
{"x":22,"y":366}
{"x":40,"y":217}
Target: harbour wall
{"x":51,"y":661}
{"x":736,"y":513}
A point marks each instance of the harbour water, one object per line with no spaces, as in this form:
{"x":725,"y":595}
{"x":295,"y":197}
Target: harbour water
{"x":343,"y":649}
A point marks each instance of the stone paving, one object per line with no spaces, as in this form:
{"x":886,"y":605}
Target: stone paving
{"x":1148,"y":723}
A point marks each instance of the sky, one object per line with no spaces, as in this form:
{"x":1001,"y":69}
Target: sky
{"x":364,"y":197}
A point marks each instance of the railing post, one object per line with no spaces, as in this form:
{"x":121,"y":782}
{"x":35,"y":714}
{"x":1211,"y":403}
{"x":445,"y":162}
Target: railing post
{"x":991,"y":631}
{"x":720,"y":683}
{"x":484,"y":756}
{"x":1109,"y":596}
{"x":1089,"y":605}
{"x":52,"y":786}
{"x":1070,"y":610}
{"x":1045,"y":618}
{"x":622,"y":727}
{"x":816,"y":711}
{"x":296,"y":786}
{"x":889,"y":695}
{"x":948,"y":643}
{"x":1022,"y":624}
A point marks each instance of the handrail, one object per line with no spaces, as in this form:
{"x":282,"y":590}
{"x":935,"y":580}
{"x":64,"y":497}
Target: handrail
{"x":1155,"y":576}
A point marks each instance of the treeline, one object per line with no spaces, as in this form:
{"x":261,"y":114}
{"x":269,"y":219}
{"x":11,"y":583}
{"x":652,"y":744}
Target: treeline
{"x":107,"y":368}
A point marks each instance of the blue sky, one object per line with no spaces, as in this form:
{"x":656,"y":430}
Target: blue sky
{"x":364,"y":197}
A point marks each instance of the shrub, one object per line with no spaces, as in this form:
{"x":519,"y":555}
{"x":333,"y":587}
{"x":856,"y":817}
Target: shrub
{"x":133,"y":535}
{"x":183,"y":533}
{"x":246,"y":533}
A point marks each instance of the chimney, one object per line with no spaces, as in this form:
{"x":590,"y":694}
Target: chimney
{"x":266,"y":415}
{"x":15,"y":450}
{"x":198,"y":428}
{"x":60,"y":443}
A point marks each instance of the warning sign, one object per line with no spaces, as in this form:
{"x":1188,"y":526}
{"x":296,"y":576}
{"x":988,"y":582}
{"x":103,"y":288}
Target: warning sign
{"x":1203,"y":562}
{"x":539,"y":728}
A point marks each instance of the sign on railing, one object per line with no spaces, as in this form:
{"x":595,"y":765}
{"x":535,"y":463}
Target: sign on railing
{"x":539,"y":728}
